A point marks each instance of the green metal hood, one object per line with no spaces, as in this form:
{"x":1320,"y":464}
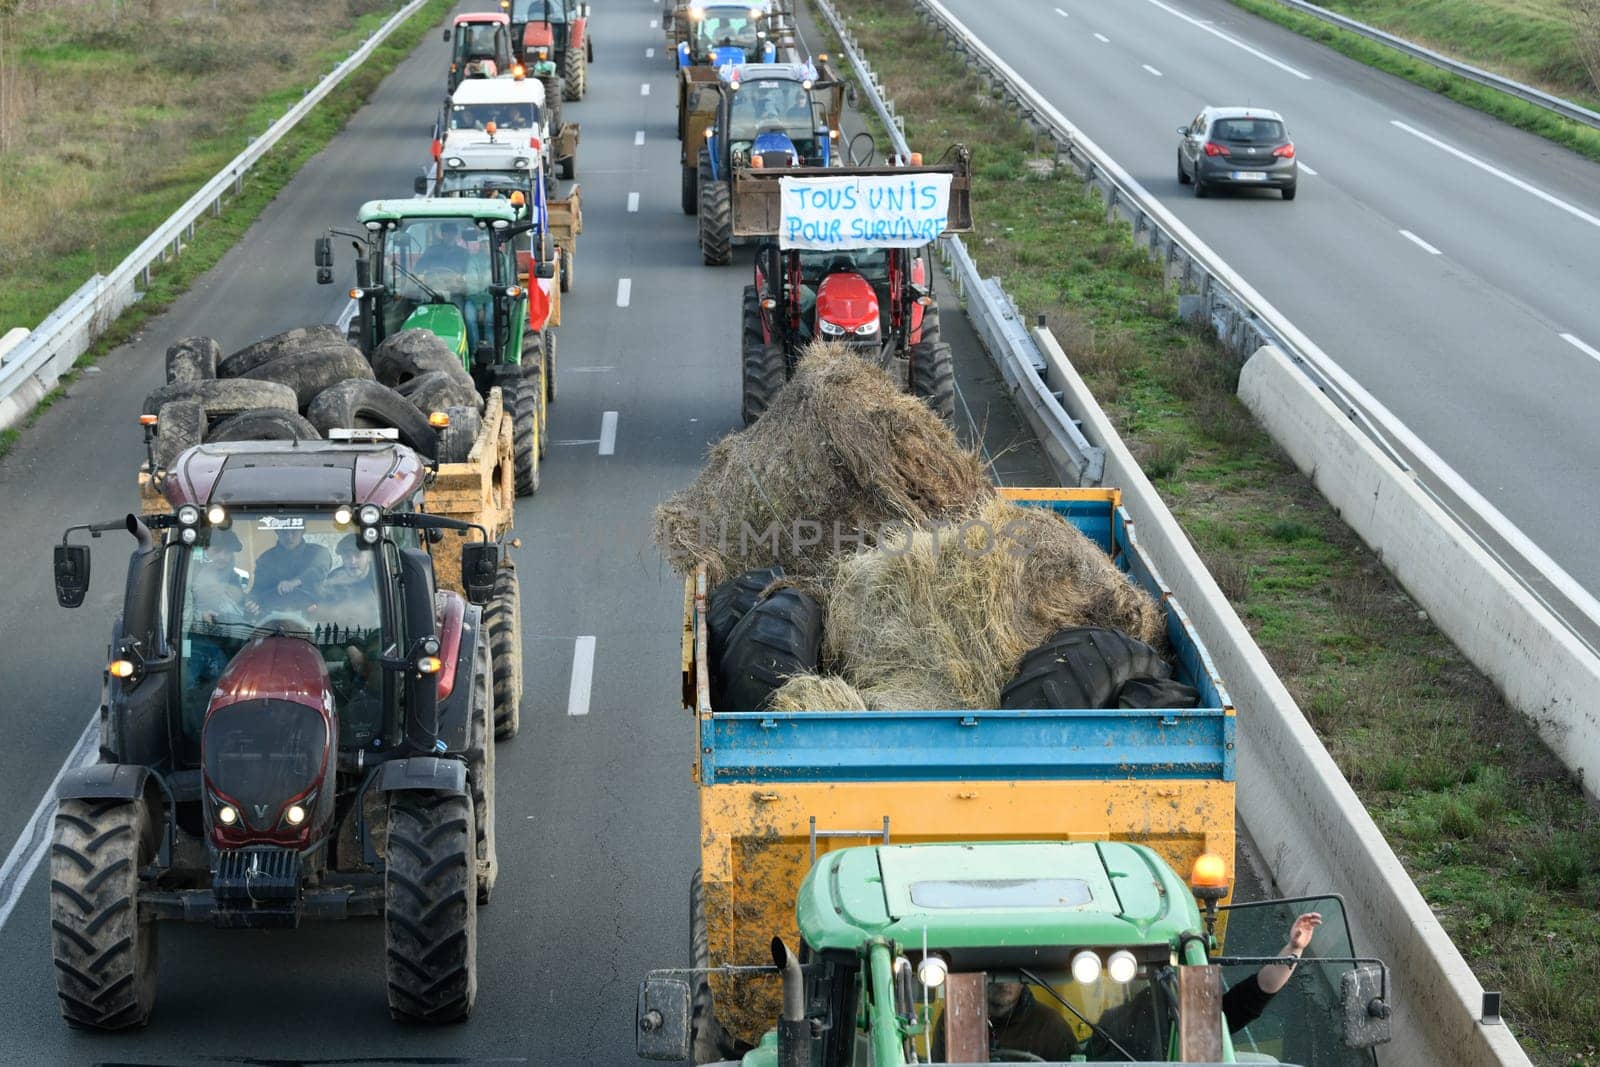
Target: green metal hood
{"x":995,"y":894}
{"x":444,"y":321}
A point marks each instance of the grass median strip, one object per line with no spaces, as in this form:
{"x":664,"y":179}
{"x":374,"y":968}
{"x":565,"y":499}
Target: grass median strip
{"x":1536,"y":42}
{"x":214,"y":236}
{"x":1495,"y":833}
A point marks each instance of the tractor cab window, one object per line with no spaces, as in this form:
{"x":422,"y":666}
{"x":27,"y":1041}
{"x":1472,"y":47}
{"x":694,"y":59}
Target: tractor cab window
{"x":486,"y":183}
{"x":280,"y":575}
{"x":871,"y":263}
{"x":515,"y":115}
{"x":538,"y":11}
{"x":477,"y":41}
{"x":436,"y":262}
{"x":775,"y":106}
{"x":723,"y":27}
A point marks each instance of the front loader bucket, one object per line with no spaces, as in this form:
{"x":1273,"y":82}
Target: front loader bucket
{"x":758,"y":208}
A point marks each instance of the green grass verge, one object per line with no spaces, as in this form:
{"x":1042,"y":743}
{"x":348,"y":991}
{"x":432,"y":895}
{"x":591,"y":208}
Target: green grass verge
{"x":1497,"y":836}
{"x":214,"y":236}
{"x":1475,"y":46}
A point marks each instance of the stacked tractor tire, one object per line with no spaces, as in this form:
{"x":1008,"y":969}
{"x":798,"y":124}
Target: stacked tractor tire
{"x":303,"y":383}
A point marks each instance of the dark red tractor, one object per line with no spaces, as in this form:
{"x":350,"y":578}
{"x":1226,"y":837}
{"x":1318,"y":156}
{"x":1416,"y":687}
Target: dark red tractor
{"x":875,"y":296}
{"x":555,"y":31}
{"x":480,"y":47}
{"x":295,"y":724}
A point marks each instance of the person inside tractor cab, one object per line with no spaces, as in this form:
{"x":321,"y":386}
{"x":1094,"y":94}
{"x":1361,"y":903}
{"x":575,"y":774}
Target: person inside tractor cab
{"x":725,"y":28}
{"x":215,"y":621}
{"x":349,"y":609}
{"x":515,"y":117}
{"x":1019,"y":1023}
{"x":289,"y":575}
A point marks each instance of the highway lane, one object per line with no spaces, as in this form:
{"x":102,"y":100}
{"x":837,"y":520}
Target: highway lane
{"x":596,"y":812}
{"x":1443,"y":259}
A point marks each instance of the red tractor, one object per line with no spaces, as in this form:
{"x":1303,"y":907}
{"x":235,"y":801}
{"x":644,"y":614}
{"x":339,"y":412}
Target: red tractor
{"x":295,"y":724}
{"x":480,"y":47}
{"x":555,"y":31}
{"x":875,"y":296}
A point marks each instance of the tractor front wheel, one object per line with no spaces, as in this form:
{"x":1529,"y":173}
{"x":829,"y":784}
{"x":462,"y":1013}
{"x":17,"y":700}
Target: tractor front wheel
{"x":575,"y":74}
{"x":523,"y":404}
{"x":710,"y":1043}
{"x":764,"y":375}
{"x":716,"y":221}
{"x":431,"y":907}
{"x":480,"y":768}
{"x":502,"y":618}
{"x":550,"y":355}
{"x":104,"y":950}
{"x":750,"y":319}
{"x":933,"y":378}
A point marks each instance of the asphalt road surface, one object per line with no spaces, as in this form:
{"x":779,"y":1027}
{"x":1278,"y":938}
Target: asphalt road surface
{"x":1444,"y":259}
{"x":596,"y":810}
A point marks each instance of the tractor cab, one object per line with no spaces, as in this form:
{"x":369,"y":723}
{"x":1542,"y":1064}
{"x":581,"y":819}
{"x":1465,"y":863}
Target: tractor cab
{"x":480,"y":47}
{"x":507,"y":111}
{"x":557,"y":30}
{"x":1039,"y":952}
{"x":717,"y":34}
{"x":777,"y":113}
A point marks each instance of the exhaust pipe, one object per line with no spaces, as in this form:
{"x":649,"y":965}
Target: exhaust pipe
{"x":140,"y":532}
{"x":794,"y":1029}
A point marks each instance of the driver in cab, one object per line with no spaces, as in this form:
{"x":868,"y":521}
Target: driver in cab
{"x":289,"y":575}
{"x":1019,"y":1023}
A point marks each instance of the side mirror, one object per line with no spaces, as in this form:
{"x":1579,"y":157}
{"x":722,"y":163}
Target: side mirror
{"x":446,"y":36}
{"x":662,"y":1032}
{"x":480,"y":562}
{"x":1366,"y":1012}
{"x":72,"y":574}
{"x":419,"y":185}
{"x":323,"y":254}
{"x":1184,"y":130}
{"x":545,"y":270}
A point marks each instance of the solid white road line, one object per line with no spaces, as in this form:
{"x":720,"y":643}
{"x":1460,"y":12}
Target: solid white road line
{"x":633,"y":201}
{"x":1102,"y":38}
{"x":1062,"y":13}
{"x":1580,"y":346}
{"x":1151,"y":69}
{"x":25,"y":855}
{"x":588,"y":370}
{"x":1236,"y":43}
{"x":608,"y":433}
{"x":638,"y":138}
{"x":624,"y":291}
{"x":582,"y":676}
{"x":644,"y":90}
{"x":1553,"y":201}
{"x":1419,"y":242}
{"x":1308,"y":170}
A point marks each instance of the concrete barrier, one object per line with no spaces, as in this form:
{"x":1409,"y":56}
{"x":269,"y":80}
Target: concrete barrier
{"x":1535,"y":662}
{"x":1308,"y":824}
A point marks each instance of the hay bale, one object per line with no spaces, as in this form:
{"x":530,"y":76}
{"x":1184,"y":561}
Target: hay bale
{"x":817,"y":692}
{"x":951,"y":611}
{"x":841,"y":453}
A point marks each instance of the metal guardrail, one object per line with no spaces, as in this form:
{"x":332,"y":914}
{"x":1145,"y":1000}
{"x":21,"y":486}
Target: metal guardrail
{"x":994,"y":316}
{"x":33,"y":367}
{"x":1565,"y":108}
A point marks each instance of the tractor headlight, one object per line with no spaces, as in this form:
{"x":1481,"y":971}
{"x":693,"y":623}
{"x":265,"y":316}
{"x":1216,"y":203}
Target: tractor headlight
{"x":188,"y":515}
{"x":295,"y":815}
{"x":522,"y":163}
{"x":370,"y":514}
{"x":188,"y":535}
{"x":453,"y":161}
{"x":1122,"y":966}
{"x":227,"y":815}
{"x":866,"y":328}
{"x":217,"y":515}
{"x":1086,"y":967}
{"x":829,"y":329}
{"x":369,"y":535}
{"x":342,"y":515}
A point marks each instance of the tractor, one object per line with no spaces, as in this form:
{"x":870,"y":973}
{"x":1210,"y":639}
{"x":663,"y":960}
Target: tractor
{"x":785,"y":114}
{"x":480,"y":47}
{"x":708,"y":33}
{"x":519,"y":109}
{"x":562,"y":28}
{"x":449,"y":266}
{"x":873,"y":294}
{"x":281,"y":740}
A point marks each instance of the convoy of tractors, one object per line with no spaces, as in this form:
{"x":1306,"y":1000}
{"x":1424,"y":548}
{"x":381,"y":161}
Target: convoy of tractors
{"x":320,"y":641}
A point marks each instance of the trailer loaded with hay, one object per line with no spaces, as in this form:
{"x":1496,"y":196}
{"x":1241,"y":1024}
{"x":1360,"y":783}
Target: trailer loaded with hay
{"x":307,"y":384}
{"x":879,"y":646}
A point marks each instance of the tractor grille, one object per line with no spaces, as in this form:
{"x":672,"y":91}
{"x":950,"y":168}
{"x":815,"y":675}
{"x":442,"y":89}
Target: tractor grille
{"x":257,"y":878}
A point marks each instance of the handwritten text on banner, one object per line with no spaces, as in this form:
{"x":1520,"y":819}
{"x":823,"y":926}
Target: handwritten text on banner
{"x":877,"y":211}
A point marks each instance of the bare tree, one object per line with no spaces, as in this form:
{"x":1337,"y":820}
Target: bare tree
{"x":1585,"y":18}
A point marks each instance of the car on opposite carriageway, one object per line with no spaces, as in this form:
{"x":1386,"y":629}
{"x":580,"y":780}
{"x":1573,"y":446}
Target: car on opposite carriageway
{"x":1239,"y":147}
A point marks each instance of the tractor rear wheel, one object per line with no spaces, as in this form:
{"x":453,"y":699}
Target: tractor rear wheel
{"x":750,"y":318}
{"x":575,"y":74}
{"x":709,"y":1043}
{"x":550,"y":366}
{"x":716,"y":216}
{"x":502,"y":618}
{"x":533,"y":343}
{"x":933,"y":378}
{"x":564,"y":266}
{"x":105,"y":952}
{"x":764,"y":375}
{"x":930,"y":324}
{"x":552,"y":103}
{"x":431,"y":907}
{"x":524,"y":407}
{"x":480,"y":770}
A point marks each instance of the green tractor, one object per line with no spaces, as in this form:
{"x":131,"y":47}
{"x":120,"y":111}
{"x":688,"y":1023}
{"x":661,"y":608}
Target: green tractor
{"x":450,"y":266}
{"x":1026,"y":952}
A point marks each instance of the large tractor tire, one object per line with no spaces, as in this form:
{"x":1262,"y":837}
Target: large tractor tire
{"x":564,"y":268}
{"x":270,"y":348}
{"x":533,"y":348}
{"x":1080,"y":667}
{"x":764,"y":375}
{"x":750,"y":328}
{"x":193,"y":359}
{"x":933,"y":378}
{"x":264,"y":425}
{"x":930,"y":324}
{"x":716,"y":217}
{"x":502,"y":618}
{"x":440,"y":390}
{"x":224,"y":396}
{"x":104,"y":950}
{"x":310,"y":371}
{"x":552,"y":103}
{"x":550,"y":366}
{"x":480,"y":772}
{"x":777,"y":639}
{"x":456,"y":440}
{"x":732,"y":601}
{"x":412,"y":353}
{"x":574,"y":74}
{"x":358,"y":403}
{"x":523,"y":404}
{"x":690,"y":190}
{"x":709,"y":1042}
{"x":431,"y":907}
{"x":180,"y":424}
{"x":1157,"y":693}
